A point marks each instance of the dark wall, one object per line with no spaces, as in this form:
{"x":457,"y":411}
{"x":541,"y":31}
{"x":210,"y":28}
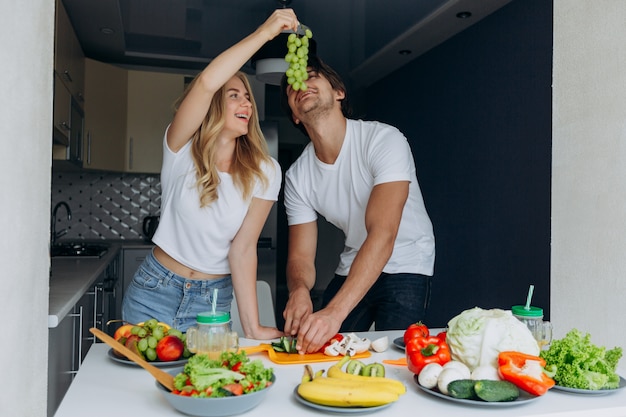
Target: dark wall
{"x":477,"y":113}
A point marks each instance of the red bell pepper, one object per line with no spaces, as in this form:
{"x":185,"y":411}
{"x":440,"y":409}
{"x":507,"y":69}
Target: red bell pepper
{"x":418,"y":329}
{"x":525,"y":371}
{"x":336,"y":338}
{"x":420,"y":351}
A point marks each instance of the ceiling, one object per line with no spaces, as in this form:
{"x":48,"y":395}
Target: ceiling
{"x":361,"y":39}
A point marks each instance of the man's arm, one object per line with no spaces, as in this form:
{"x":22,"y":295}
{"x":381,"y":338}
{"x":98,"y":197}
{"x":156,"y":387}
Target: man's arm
{"x":300,"y":274}
{"x":382,"y":221}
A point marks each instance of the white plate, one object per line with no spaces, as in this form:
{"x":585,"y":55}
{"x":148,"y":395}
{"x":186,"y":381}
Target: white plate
{"x":343,"y":410}
{"x":158,"y":364}
{"x":523,"y":398}
{"x":399,"y":343}
{"x":622,"y":385}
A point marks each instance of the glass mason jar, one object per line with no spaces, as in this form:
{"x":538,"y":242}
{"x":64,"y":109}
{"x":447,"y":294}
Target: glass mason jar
{"x":533,"y":319}
{"x":212,"y":335}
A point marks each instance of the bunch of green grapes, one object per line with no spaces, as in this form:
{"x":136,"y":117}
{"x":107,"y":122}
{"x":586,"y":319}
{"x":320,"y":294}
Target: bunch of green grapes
{"x":149,"y":335}
{"x":297,"y":57}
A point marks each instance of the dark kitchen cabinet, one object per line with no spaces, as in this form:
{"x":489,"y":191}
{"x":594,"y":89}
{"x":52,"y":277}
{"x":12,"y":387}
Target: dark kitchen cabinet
{"x":69,"y":59}
{"x":69,"y":342}
{"x":69,"y":84}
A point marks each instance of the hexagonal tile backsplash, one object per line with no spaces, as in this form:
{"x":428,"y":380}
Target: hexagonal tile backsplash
{"x":105,"y":205}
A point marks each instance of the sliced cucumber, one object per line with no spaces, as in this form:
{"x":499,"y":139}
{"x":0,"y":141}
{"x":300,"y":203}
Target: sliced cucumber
{"x":286,"y":344}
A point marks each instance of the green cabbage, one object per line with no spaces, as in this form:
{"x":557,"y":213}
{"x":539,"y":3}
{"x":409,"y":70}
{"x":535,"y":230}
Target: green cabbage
{"x":581,"y":364}
{"x":477,"y":336}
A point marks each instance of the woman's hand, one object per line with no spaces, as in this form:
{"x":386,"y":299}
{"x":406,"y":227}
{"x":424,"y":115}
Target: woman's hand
{"x":281,"y":19}
{"x":265,"y":333}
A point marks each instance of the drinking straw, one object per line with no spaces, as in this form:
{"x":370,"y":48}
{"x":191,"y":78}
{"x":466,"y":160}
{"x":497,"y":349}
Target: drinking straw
{"x":214,"y":301}
{"x":529,"y":297}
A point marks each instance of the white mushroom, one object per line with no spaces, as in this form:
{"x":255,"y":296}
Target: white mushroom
{"x":334,"y":349}
{"x":429,"y":375}
{"x":353,"y":344}
{"x":381,"y":344}
{"x":446,"y":376}
{"x":460,"y":366}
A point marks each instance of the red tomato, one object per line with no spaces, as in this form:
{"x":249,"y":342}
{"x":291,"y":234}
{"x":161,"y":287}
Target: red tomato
{"x":170,"y":348}
{"x":186,"y":391}
{"x":236,"y":389}
{"x":418,"y":329}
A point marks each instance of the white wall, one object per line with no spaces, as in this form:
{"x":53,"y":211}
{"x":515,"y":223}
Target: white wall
{"x":589,"y":183}
{"x":26,"y":56}
{"x":588,"y":271}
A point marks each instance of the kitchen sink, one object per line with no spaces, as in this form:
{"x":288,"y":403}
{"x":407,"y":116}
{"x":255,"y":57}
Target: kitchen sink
{"x":78,"y":250}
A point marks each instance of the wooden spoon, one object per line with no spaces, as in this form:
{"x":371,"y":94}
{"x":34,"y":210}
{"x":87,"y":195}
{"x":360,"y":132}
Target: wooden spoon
{"x":163,"y":377}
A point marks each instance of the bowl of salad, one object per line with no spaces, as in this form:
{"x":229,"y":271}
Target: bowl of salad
{"x":215,"y":388}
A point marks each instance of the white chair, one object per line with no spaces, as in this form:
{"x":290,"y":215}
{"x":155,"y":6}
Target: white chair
{"x":266,"y":308}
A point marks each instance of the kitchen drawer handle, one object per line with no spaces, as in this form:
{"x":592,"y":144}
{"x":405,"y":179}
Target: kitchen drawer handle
{"x":67,"y":76}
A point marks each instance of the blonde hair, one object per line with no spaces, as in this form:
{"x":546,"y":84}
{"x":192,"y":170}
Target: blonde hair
{"x":250,"y":150}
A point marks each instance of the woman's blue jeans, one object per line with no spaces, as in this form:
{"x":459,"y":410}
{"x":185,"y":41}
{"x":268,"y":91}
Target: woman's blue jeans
{"x":155,"y":292}
{"x":394,"y":302}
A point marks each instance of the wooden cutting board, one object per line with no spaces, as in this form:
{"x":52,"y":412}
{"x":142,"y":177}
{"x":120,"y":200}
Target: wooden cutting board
{"x":283,"y":358}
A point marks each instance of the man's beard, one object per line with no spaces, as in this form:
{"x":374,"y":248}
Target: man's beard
{"x":316,"y":110}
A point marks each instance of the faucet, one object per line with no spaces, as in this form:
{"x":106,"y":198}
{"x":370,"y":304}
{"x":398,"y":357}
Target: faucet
{"x":54,"y":234}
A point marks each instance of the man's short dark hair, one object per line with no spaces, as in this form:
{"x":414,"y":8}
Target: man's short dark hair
{"x":319,"y":66}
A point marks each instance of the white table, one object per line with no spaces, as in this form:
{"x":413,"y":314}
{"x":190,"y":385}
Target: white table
{"x":106,"y":388}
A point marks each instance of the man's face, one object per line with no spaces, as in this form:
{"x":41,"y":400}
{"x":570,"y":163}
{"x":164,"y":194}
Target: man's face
{"x":318,"y":99}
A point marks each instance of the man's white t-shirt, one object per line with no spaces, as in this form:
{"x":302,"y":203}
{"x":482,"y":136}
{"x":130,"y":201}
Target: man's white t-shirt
{"x":372,"y":153}
{"x":200,"y":238}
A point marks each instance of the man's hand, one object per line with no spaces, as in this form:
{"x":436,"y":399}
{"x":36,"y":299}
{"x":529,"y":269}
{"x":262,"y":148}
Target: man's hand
{"x":316,"y":330}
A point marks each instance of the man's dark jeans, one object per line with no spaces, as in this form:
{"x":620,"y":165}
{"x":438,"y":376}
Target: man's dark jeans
{"x":394,"y":302}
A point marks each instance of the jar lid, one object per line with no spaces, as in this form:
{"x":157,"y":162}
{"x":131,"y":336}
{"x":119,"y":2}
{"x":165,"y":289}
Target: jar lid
{"x":531,"y":312}
{"x":213,"y":318}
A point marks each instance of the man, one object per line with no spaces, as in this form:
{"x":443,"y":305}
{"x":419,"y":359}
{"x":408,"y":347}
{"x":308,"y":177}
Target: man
{"x":361,"y":177}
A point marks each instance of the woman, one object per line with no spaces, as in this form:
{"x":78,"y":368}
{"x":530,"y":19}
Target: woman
{"x":218,"y":185}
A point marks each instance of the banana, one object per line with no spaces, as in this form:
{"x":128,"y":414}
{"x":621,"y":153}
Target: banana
{"x":343,"y":393}
{"x":389,"y":383}
{"x":374,"y":385}
{"x":336,"y":372}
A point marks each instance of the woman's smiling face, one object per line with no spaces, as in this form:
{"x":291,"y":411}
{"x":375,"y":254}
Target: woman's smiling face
{"x":238,"y":107}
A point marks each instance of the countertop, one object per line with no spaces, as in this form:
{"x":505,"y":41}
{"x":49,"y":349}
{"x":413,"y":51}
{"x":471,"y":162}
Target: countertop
{"x":70,"y":278}
{"x":103,"y":387}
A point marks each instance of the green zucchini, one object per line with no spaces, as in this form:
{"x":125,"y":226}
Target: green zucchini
{"x":496,"y":391}
{"x":462,"y":388}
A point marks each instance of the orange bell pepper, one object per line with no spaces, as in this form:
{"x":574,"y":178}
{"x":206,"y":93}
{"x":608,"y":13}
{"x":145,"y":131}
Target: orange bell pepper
{"x":525,"y":371}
